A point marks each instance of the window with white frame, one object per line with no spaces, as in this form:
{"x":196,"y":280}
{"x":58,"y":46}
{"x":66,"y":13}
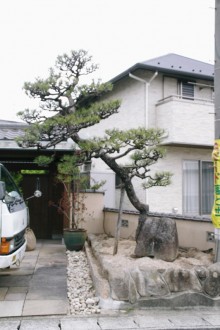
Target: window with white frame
{"x":198,"y":187}
{"x":186,"y":90}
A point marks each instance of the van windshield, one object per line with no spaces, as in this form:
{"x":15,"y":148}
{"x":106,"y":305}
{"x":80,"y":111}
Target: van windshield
{"x":10,"y":185}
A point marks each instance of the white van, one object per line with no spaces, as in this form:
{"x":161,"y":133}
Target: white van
{"x":14,"y":219}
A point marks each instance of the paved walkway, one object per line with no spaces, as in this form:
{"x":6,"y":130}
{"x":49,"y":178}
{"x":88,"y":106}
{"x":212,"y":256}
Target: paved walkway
{"x":38,"y":287}
{"x":142,"y":320}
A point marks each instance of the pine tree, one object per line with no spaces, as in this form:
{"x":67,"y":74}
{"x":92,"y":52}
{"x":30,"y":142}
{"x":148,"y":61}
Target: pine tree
{"x":67,"y":107}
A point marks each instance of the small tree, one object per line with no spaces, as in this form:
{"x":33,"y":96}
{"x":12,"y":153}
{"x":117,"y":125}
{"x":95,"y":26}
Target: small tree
{"x":69,"y":175}
{"x":71,"y":202}
{"x":73,"y":107}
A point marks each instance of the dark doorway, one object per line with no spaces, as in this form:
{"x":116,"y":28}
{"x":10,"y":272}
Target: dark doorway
{"x":44,"y":220}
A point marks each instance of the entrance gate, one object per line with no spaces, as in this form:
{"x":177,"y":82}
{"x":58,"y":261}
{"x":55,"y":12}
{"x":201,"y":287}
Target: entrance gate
{"x":44,"y":219}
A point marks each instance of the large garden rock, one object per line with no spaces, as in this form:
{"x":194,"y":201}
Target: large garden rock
{"x":149,"y":282}
{"x":158,"y":238}
{"x":211,"y":284}
{"x":182,"y":280}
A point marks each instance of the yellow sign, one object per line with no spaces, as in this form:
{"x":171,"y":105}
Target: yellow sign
{"x":216,"y":205}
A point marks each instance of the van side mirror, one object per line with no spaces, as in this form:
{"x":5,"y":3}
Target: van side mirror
{"x":2,"y":190}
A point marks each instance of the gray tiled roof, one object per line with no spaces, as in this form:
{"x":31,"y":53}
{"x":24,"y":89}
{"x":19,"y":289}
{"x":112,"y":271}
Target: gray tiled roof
{"x":9,"y":130}
{"x":173,"y":64}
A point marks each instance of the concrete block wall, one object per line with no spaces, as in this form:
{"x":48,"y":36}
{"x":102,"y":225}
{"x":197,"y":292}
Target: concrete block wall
{"x":91,"y":212}
{"x":192,"y":232}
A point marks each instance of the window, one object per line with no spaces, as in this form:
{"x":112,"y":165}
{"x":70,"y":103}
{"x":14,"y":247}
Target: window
{"x":198,"y":187}
{"x":10,"y":185}
{"x":13,"y":198}
{"x":186,"y":90}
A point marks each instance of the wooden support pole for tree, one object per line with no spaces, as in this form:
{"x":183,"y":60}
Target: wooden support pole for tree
{"x":118,"y":227}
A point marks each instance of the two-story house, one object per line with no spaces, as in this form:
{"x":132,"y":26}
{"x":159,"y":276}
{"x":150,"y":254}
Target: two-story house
{"x":174,"y":93}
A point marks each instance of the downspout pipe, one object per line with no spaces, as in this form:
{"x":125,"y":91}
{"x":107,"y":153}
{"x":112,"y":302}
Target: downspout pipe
{"x":146,"y":105}
{"x":146,"y":96}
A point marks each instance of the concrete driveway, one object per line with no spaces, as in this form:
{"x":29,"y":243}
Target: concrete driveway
{"x":39,"y":286}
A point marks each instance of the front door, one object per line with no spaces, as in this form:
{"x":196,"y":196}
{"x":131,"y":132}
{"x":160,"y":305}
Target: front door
{"x":45,"y":221}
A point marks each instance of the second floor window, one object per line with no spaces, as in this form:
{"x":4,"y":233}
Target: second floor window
{"x":186,"y":90}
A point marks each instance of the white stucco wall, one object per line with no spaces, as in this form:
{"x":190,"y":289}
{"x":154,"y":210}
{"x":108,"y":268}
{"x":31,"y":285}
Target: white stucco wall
{"x":130,"y":113}
{"x":164,"y":199}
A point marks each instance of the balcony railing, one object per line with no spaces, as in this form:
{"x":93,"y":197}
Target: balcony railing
{"x":184,"y":98}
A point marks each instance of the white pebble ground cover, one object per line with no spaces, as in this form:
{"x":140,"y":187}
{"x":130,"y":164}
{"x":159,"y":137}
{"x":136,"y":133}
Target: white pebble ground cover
{"x":80,"y":289}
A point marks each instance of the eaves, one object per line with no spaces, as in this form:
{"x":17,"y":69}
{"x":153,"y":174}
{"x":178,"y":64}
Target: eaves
{"x":170,"y":72}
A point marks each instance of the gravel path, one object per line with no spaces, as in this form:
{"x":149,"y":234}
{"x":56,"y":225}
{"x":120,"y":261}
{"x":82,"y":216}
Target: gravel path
{"x":80,"y":289}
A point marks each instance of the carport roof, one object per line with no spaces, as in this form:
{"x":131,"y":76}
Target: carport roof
{"x":9,"y":130}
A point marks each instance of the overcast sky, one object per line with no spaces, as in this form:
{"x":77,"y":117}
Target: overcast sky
{"x":117,"y":33}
